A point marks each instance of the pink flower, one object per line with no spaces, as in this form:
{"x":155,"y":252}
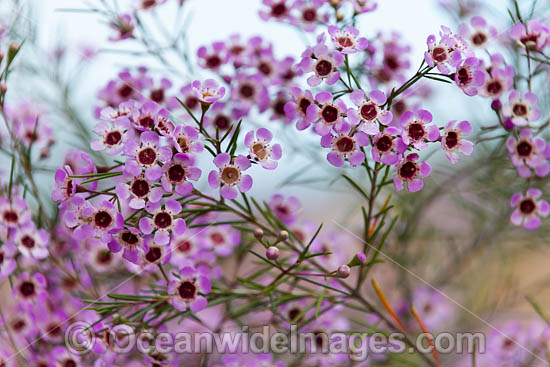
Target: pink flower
{"x":188,"y":290}
{"x":324,"y":64}
{"x":212,"y":58}
{"x":64,"y":186}
{"x":14,"y":213}
{"x":533,"y":35}
{"x":146,"y":154}
{"x":130,"y":239}
{"x":363,"y":6}
{"x":276,"y":9}
{"x":520,"y":110}
{"x":163,"y":221}
{"x":148,"y":115}
{"x":470,"y":76}
{"x":297,"y":108}
{"x":185,"y":140}
{"x":30,"y":288}
{"x":446,"y":53}
{"x":249,"y":91}
{"x":411,"y":173}
{"x":529,"y":209}
{"x":479,"y":33}
{"x":222,"y":239}
{"x":452,"y":140}
{"x":32,"y":242}
{"x":8,"y":252}
{"x":125,"y":27}
{"x":139,"y":190}
{"x":260,"y":149}
{"x":345,"y":146}
{"x":387,"y":148}
{"x":229,"y":175}
{"x":500,"y":79}
{"x":369,"y":111}
{"x":177,"y":174}
{"x":286,"y":209}
{"x":528,"y":153}
{"x":415,"y":130}
{"x":209,"y":91}
{"x":113,"y":135}
{"x":328,"y":115}
{"x":346,"y":40}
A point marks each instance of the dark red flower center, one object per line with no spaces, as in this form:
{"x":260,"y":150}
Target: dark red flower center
{"x":221,"y":122}
{"x":303,"y":104}
{"x":184,"y":246}
{"x":27,"y":241}
{"x":69,"y":363}
{"x":157,"y":95}
{"x":125,"y":91}
{"x":163,"y":220}
{"x":408,"y":170}
{"x":10,"y":216}
{"x":451,"y":140}
{"x":104,"y":257}
{"x":519,"y":109}
{"x":265,"y":68}
{"x":391,"y":62}
{"x":293,"y":314}
{"x":479,"y":38}
{"x":154,"y":254}
{"x":463,"y":76}
{"x":146,"y":122}
{"x":384,"y":143}
{"x":524,"y":149}
{"x":213,"y":61}
{"x":217,"y":238}
{"x":309,"y":15}
{"x":147,"y":156}
{"x":191,"y":102}
{"x":140,"y":188}
{"x":439,"y":54}
{"x":176,"y":173}
{"x":27,"y":289}
{"x":279,"y":107}
{"x":103,"y":219}
{"x":323,"y":67}
{"x":416,"y":131}
{"x":246,"y":90}
{"x":494,"y":87}
{"x":345,"y":144}
{"x":187,"y":290}
{"x":369,"y":112}
{"x":527,"y":206}
{"x":112,"y":138}
{"x":18,"y":324}
{"x":1,"y":258}
{"x":330,"y":114}
{"x":345,"y":42}
{"x":278,"y":9}
{"x":129,"y":238}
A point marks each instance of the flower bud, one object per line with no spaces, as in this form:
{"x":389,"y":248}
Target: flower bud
{"x":258,"y":233}
{"x":508,"y":124}
{"x":283,"y":235}
{"x":496,"y":104}
{"x":272,"y":253}
{"x":344,"y":271}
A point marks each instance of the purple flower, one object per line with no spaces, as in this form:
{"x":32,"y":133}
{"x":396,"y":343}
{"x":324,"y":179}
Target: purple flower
{"x":500,"y":78}
{"x":212,"y":57}
{"x":128,"y":239}
{"x":533,"y":35}
{"x":297,"y":108}
{"x":363,"y":6}
{"x":14,"y":213}
{"x":208,"y":92}
{"x":249,"y":91}
{"x":446,"y":53}
{"x":346,"y":40}
{"x":154,"y":255}
{"x":529,"y":209}
{"x":415,"y":130}
{"x":479,"y":33}
{"x":411,"y":173}
{"x":113,"y":135}
{"x":146,"y":154}
{"x":286,"y":209}
{"x":369,"y":111}
{"x":139,"y":189}
{"x":98,"y":221}
{"x":64,"y":186}
{"x":163,"y":222}
{"x":8,"y":252}
{"x":387,"y":148}
{"x":146,"y":116}
{"x":452,"y":140}
{"x":177,"y":174}
{"x":32,"y":242}
{"x":322,"y":62}
{"x":328,"y":115}
{"x":470,"y":75}
{"x":528,"y":153}
{"x":229,"y":175}
{"x":29,"y":288}
{"x":125,"y":27}
{"x":222,"y":239}
{"x":520,"y":110}
{"x":260,"y":149}
{"x":188,"y":290}
{"x":185,"y":140}
{"x":432,"y":307}
{"x":276,"y":9}
{"x":345,"y":146}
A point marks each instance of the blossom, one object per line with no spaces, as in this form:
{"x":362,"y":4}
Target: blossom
{"x":479,"y":33}
{"x":389,"y":58}
{"x":369,"y":111}
{"x":186,"y":140}
{"x":30,"y":287}
{"x":139,"y":190}
{"x":520,"y":110}
{"x":286,"y":209}
{"x":14,"y":213}
{"x":411,"y":173}
{"x":434,"y":309}
{"x":64,"y":186}
{"x":363,"y":6}
{"x":177,"y":174}
{"x":208,"y":92}
{"x":445,"y":53}
{"x":146,"y":154}
{"x":188,"y":290}
{"x":8,"y":264}
{"x":296,"y":109}
{"x":276,"y":9}
{"x":346,"y":40}
{"x":529,"y":208}
{"x":415,"y":130}
{"x":212,"y":57}
{"x":533,"y":35}
{"x":328,"y":115}
{"x":128,"y":239}
{"x":452,"y":140}
{"x":470,"y":76}
{"x":323,"y":63}
{"x":386,"y":147}
{"x":229,"y":175}
{"x":32,"y":242}
{"x":163,"y":221}
{"x":125,"y":25}
{"x":528,"y":153}
{"x":345,"y":146}
{"x":113,"y":135}
{"x":500,"y":78}
{"x":260,"y":149}
{"x":221,"y":239}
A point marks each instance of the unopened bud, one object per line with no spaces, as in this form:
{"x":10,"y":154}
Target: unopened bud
{"x":496,"y":104}
{"x":272,"y":253}
{"x":283,"y":235}
{"x":344,"y":271}
{"x":258,"y":233}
